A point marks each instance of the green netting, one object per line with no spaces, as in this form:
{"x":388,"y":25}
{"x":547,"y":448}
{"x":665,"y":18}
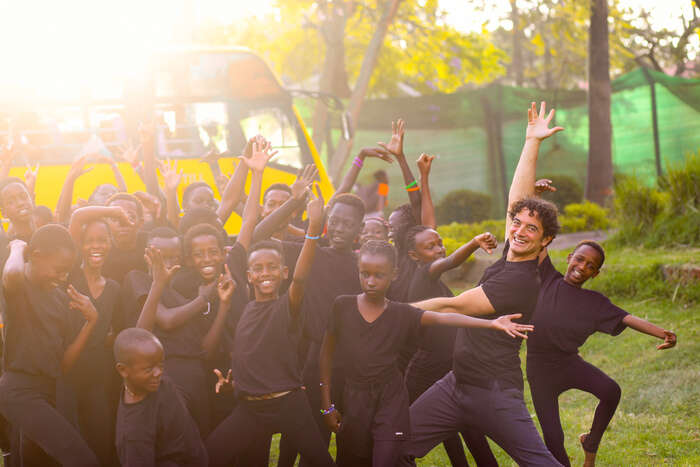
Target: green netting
{"x":478,"y":134}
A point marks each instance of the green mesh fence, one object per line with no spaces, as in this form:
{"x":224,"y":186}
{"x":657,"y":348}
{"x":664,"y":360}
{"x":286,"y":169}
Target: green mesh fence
{"x":478,"y":134}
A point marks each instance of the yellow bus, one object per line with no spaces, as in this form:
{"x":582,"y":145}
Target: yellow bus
{"x":203,"y":101}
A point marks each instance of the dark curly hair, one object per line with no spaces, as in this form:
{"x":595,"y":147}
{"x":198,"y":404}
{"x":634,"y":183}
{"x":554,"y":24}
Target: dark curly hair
{"x":399,"y":230}
{"x":349,"y":199}
{"x":200,"y":230}
{"x":381,"y":248}
{"x":595,"y":245}
{"x":127,"y":197}
{"x":546,"y":212}
{"x":274,"y":245}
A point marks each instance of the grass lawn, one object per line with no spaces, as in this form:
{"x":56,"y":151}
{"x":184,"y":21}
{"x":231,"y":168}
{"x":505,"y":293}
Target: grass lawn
{"x":658,"y":419}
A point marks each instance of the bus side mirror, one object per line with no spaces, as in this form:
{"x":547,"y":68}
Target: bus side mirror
{"x":346,"y":124}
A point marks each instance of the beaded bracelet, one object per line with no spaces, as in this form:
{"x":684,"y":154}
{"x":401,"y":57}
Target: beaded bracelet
{"x":411,"y":185}
{"x":358,"y":162}
{"x":310,"y":237}
{"x":330,"y":409}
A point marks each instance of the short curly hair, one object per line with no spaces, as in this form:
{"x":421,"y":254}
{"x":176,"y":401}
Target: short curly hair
{"x":595,"y":245}
{"x":381,"y":248}
{"x":546,"y":212}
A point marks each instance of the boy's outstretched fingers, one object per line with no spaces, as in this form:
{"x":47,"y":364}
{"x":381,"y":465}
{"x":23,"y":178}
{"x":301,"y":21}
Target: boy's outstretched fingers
{"x":223,"y":383}
{"x":669,"y":340}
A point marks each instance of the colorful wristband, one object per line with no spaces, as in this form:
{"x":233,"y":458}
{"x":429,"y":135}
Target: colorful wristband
{"x":358,"y":162}
{"x":415,"y":188}
{"x":330,"y":409}
{"x":310,"y":237}
{"x":383,"y":189}
{"x":412,"y":184}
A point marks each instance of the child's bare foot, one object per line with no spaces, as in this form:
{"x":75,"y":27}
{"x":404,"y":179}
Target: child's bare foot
{"x":589,"y":460}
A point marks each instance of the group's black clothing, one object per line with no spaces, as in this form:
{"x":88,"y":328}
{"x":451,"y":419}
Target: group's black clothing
{"x":253,"y":422}
{"x":482,"y":356}
{"x":158,"y":431}
{"x":264,"y":351}
{"x":399,"y":288}
{"x":565,"y":317}
{"x":120,"y":262}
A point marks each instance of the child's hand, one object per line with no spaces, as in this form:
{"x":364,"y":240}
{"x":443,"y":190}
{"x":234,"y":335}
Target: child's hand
{"x":315,"y":211}
{"x":223,"y":384}
{"x":333,"y":421}
{"x":81,"y":303}
{"x":78,"y":167}
{"x":379,"y":153}
{"x":248,"y":149}
{"x":544,"y":184}
{"x":669,"y":341}
{"x":120,"y":215}
{"x":150,"y":203}
{"x":161,"y":273}
{"x":505,"y":324}
{"x":261,"y":155}
{"x":171,"y":175}
{"x":303,"y":181}
{"x":486,"y":241}
{"x":225,"y":285}
{"x":395,"y":146}
{"x":30,"y":176}
{"x":130,"y":154}
{"x":538,"y":124}
{"x":424,"y":162}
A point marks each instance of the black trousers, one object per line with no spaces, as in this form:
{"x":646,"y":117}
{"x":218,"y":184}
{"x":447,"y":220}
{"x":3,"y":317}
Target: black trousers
{"x":498,"y":412}
{"x":422,"y":372}
{"x":548,"y":380}
{"x":29,"y":404}
{"x":253,"y":422}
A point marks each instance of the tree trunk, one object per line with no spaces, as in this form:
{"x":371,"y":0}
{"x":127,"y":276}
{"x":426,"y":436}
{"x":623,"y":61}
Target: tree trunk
{"x":517,"y":45}
{"x":599,"y":178}
{"x":369,"y":61}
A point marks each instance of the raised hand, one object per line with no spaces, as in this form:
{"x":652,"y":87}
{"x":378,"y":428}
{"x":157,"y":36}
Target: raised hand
{"x":261,"y":156}
{"x":150,"y":202}
{"x":395,"y":146}
{"x":425,"y":161}
{"x":538,"y":124}
{"x":119,"y":214}
{"x":544,"y":184}
{"x":669,"y":341}
{"x":505,"y":323}
{"x":379,"y":153}
{"x":78,"y":167}
{"x":161,"y":273}
{"x":314,"y":209}
{"x":30,"y":177}
{"x":333,"y":420}
{"x":225,"y":285}
{"x":486,"y":241}
{"x":130,"y":154}
{"x":304,"y":181}
{"x":248,"y":149}
{"x":171,"y":175}
{"x":81,"y":303}
{"x":223,"y":384}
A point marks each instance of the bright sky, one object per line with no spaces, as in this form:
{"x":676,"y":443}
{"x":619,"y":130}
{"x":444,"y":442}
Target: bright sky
{"x":48,"y":46}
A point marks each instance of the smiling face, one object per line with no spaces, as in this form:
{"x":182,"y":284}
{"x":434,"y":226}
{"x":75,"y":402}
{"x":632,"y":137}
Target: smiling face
{"x":376,"y":274}
{"x":266,"y":273}
{"x":16,"y":203}
{"x":344,"y":224}
{"x":144,"y":370}
{"x":526,"y":235}
{"x":582,"y":264}
{"x":201,"y":197}
{"x":49,"y":269}
{"x":125,"y":236}
{"x":373,"y":229}
{"x":428,"y":247}
{"x":207,"y":257}
{"x":96,"y":244}
{"x":273,"y":200}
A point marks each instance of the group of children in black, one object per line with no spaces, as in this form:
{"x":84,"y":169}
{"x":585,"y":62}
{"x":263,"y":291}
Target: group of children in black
{"x":135,"y":336}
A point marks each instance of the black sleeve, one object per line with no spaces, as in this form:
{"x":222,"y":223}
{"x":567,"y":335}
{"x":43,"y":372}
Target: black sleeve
{"x":413,"y":317}
{"x":237,"y":261}
{"x":610,"y":318}
{"x":547,"y":270}
{"x":334,"y":317}
{"x":508,"y":291}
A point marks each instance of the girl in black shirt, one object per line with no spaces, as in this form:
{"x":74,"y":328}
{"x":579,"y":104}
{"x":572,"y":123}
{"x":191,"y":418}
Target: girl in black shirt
{"x":566,"y":315}
{"x":369,"y":331}
{"x":38,"y":346}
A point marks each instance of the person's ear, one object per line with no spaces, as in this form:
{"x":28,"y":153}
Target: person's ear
{"x":122,"y":370}
{"x":249,"y":275}
{"x":568,"y":258}
{"x":597,"y":271}
{"x":546,"y":241}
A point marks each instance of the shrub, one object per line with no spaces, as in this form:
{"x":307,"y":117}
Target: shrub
{"x":580,"y":217}
{"x":682,"y":182}
{"x":455,"y":235}
{"x":569,"y":191}
{"x":463,"y":206}
{"x":637,"y":208}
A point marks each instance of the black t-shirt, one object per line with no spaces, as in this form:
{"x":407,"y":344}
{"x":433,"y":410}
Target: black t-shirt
{"x":158,"y":431}
{"x":95,"y":359}
{"x":134,"y":292}
{"x":566,"y":315}
{"x":485,"y":355}
{"x":399,"y":288}
{"x":37,"y":330}
{"x":237,"y":261}
{"x":265,"y":348}
{"x":369,"y":351}
{"x":438,"y":340}
{"x":120,"y":262}
{"x":333,"y":273}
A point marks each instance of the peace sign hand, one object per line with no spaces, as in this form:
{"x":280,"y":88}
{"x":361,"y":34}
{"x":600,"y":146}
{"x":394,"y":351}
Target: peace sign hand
{"x":223,"y":384}
{"x":225,"y":286}
{"x":81,"y":303}
{"x":669,"y":340}
{"x":538,"y":125}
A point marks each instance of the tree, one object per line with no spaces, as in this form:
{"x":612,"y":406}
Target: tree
{"x":599,"y":177}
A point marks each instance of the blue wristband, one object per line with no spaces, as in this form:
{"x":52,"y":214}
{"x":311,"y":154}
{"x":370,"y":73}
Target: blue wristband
{"x":330,"y":409}
{"x":309,"y":237}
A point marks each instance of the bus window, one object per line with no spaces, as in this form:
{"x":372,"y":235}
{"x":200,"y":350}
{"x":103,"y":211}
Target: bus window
{"x":190,"y":130}
{"x":275,"y":126}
